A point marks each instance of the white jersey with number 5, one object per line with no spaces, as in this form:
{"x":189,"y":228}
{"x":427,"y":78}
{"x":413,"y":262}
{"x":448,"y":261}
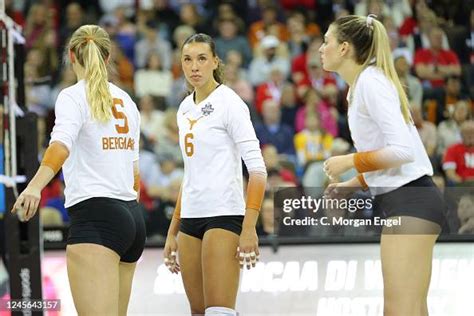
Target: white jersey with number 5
{"x":214,"y":135}
{"x":101,"y":155}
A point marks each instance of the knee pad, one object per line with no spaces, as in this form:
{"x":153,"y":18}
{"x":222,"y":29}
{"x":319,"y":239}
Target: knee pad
{"x":221,"y":311}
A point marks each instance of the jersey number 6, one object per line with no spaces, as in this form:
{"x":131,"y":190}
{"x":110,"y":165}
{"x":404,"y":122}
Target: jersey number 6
{"x":188,"y":146}
{"x":119,"y":115}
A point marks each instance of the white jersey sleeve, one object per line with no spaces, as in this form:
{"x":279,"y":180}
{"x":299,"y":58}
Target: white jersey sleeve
{"x":69,"y":120}
{"x":383,"y":106}
{"x":377,"y":124}
{"x":241,"y":131}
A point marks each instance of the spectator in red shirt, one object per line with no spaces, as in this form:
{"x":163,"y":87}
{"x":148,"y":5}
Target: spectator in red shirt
{"x":458,"y":162}
{"x":435,"y":64}
{"x":270,"y":89}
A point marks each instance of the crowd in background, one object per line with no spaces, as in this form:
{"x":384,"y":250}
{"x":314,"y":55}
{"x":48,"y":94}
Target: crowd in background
{"x":270,"y":52}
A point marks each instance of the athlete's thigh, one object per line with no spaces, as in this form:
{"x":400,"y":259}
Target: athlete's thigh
{"x":221,"y":270}
{"x":189,"y":253}
{"x":93,"y":272}
{"x":126,"y":272}
{"x":406,"y":268}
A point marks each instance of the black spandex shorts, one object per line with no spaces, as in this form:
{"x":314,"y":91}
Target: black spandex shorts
{"x":197,"y":227}
{"x":419,"y":198}
{"x":115,"y":224}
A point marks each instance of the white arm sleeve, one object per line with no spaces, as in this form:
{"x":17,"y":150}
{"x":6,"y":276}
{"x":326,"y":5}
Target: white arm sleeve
{"x":69,"y":120}
{"x":383,"y":106}
{"x":240,"y":128}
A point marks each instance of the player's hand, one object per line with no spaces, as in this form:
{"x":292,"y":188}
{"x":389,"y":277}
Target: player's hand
{"x":340,"y":190}
{"x":27,"y":203}
{"x":337,"y":165}
{"x":247,"y":252}
{"x":170,"y":254}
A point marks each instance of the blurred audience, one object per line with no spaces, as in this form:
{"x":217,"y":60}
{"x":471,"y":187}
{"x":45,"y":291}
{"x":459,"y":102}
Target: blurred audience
{"x":229,"y":39}
{"x":466,"y":214}
{"x":152,"y":43}
{"x":268,"y":24}
{"x":146,"y":79}
{"x":261,"y":66}
{"x":449,"y":130}
{"x":313,"y":143}
{"x":458,"y":162}
{"x":272,"y":131}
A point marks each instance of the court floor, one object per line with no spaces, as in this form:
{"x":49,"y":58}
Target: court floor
{"x":322,"y":280}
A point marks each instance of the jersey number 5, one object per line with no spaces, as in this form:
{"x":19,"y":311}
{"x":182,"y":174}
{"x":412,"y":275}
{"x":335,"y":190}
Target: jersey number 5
{"x":188,"y":146}
{"x":119,"y":115}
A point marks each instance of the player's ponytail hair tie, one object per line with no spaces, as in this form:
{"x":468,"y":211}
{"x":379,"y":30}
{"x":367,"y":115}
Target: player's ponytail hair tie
{"x":370,"y":20}
{"x":88,"y":39}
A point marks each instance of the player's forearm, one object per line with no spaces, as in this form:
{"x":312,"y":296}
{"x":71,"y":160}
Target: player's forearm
{"x":42,"y":177}
{"x":136,"y":179}
{"x":255,"y":195}
{"x":176,"y":220}
{"x":174,"y":227}
{"x":250,"y":219}
{"x":53,"y":160}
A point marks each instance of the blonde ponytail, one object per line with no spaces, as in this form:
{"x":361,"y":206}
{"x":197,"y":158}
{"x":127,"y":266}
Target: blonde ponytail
{"x":97,"y":85}
{"x":384,"y":60}
{"x":91,"y":46}
{"x":371,"y":44}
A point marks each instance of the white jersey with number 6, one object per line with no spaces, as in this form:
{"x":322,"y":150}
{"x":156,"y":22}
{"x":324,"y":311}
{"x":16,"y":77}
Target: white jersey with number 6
{"x":101,"y":155}
{"x":214,"y":135}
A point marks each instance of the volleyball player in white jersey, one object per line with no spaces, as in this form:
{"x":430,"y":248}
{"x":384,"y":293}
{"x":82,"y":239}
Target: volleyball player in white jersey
{"x":216,"y":226}
{"x":390,"y":159}
{"x":95,"y":140}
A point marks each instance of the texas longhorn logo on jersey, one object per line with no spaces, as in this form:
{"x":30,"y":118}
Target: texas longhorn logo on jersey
{"x":192,"y":122}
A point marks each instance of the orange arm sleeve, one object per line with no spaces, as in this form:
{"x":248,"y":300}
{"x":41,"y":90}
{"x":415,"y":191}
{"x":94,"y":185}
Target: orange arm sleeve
{"x":256,"y":190}
{"x":368,"y":161}
{"x":55,"y":156}
{"x":385,"y":158}
{"x":136,"y":182}
{"x":361,"y":179}
{"x":373,"y":160}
